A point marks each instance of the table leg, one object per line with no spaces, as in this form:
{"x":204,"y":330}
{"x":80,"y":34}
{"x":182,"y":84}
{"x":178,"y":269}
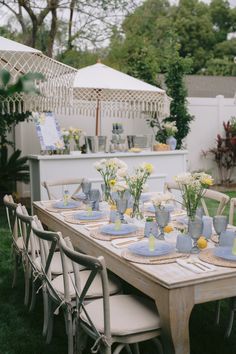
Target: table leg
{"x":174,"y":307}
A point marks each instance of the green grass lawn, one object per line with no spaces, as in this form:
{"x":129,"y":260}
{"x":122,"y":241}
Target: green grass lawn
{"x":20,"y":331}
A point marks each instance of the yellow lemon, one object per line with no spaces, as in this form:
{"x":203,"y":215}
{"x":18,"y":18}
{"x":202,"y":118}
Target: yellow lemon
{"x":202,"y":242}
{"x":168,"y":228}
{"x":128,"y":211}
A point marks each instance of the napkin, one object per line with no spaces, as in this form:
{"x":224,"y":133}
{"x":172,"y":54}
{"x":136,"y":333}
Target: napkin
{"x":198,"y":267}
{"x":124,"y":243}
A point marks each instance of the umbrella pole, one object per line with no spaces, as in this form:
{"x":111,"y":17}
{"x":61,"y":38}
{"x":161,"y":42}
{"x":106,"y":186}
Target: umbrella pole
{"x":97,"y":118}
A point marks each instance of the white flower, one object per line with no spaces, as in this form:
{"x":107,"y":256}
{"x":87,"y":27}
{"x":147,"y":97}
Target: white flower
{"x":120,"y":187}
{"x":162,"y":198}
{"x":122,"y":172}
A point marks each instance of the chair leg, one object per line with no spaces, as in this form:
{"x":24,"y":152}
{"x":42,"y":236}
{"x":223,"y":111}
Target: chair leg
{"x":231,"y":317}
{"x":136,"y":348}
{"x":33,"y":295}
{"x":158,"y":345}
{"x":128,"y":349}
{"x":50,"y":317}
{"x":118,"y":348}
{"x":218,"y":312}
{"x":15,"y":268}
{"x":81,"y":339}
{"x":45,"y":311}
{"x":70,"y":333}
{"x":27,"y":285}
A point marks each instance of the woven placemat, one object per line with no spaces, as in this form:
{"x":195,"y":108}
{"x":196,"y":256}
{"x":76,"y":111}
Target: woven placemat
{"x":70,"y":217}
{"x":209,"y":257}
{"x":105,"y":237}
{"x":168,"y":258}
{"x":60,"y":210}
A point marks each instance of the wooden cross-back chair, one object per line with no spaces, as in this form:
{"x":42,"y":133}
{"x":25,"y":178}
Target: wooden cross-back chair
{"x":231,"y":210}
{"x":51,"y":186}
{"x":221,"y":198}
{"x":31,"y":252}
{"x":55,"y":295}
{"x":121,"y":320}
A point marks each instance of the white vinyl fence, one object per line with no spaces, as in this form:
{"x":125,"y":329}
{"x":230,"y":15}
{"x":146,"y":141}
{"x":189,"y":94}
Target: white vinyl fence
{"x":209,"y":113}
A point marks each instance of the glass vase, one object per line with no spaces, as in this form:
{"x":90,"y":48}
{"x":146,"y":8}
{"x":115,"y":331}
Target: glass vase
{"x":137,"y":212}
{"x":195,"y":230}
{"x":106,"y":192}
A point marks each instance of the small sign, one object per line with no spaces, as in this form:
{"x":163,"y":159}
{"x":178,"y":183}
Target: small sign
{"x":48,"y":131}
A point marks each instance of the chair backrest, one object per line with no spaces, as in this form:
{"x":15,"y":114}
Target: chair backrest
{"x":174,"y":189}
{"x":30,"y":243}
{"x":57,"y":192}
{"x":10,"y":207}
{"x":96,"y":266}
{"x":219,"y":197}
{"x":48,"y":241}
{"x":231,"y":210}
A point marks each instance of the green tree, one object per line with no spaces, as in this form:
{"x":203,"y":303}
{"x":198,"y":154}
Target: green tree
{"x":176,"y":68}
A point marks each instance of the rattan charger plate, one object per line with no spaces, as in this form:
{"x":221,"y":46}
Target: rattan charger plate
{"x":209,"y":257}
{"x":70,"y":218}
{"x":105,"y":237}
{"x":61,"y":210}
{"x":167,"y":258}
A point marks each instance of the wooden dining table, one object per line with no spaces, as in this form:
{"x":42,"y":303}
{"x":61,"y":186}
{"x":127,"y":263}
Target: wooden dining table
{"x":174,"y":288}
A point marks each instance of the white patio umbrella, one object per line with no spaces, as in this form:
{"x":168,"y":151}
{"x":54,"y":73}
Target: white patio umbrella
{"x":99,"y":89}
{"x":55,"y":90}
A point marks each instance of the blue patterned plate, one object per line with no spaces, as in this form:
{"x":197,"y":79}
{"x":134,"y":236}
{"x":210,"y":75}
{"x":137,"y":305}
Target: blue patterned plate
{"x":167,"y":207}
{"x":225,"y":253}
{"x":85,"y":215}
{"x":124,"y":229}
{"x":142,"y":248}
{"x":70,"y":205}
{"x":80,"y":196}
{"x":145,"y":197}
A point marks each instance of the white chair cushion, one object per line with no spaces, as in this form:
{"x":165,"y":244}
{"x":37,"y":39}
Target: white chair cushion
{"x":20,"y":244}
{"x":129,"y":314}
{"x":56,"y":265}
{"x":95,"y":289}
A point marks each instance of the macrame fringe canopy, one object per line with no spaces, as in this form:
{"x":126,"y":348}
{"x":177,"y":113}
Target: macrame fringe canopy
{"x":55,"y":92}
{"x":82,"y":92}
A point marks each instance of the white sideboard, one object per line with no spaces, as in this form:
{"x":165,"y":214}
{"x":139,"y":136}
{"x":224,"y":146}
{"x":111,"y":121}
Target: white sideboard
{"x":167,"y":164}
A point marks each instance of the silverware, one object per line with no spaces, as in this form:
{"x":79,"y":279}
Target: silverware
{"x":127,"y":242}
{"x":198,"y":265}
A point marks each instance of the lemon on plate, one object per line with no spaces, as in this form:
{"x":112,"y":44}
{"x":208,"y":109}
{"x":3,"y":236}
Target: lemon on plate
{"x":202,"y":242}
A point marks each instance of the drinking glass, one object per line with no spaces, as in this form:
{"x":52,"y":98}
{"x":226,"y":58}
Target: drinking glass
{"x":220,"y":223}
{"x":121,"y":204}
{"x":195,"y":230}
{"x":162,"y":218}
{"x":86,"y":187}
{"x":94,"y":197}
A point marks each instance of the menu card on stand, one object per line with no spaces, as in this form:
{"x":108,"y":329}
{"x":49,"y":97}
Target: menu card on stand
{"x":48,"y":131}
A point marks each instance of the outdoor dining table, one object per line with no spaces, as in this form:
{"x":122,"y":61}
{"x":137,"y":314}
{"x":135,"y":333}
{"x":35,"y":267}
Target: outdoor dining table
{"x":174,"y":288}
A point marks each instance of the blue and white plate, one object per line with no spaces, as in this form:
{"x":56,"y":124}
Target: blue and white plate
{"x":70,"y":205}
{"x":142,"y":248}
{"x":80,"y":196}
{"x":124,"y":229}
{"x":92,"y":215}
{"x":168,"y":207}
{"x":145,"y":197}
{"x":225,"y":253}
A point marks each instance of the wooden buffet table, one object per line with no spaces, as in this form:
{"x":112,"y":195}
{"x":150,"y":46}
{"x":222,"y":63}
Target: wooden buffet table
{"x":175,"y":289}
{"x":54,"y":167}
